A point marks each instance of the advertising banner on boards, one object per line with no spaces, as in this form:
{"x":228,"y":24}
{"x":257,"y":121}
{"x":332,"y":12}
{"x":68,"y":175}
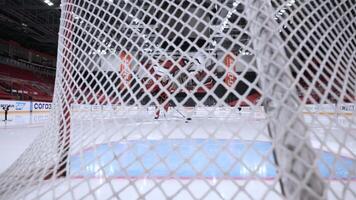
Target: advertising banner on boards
{"x":24,"y":106}
{"x":41,"y":106}
{"x":15,"y":105}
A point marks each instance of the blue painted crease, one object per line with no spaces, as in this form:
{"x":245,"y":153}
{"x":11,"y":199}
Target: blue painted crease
{"x":194,"y":158}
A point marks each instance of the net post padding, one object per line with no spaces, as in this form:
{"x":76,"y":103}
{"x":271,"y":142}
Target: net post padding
{"x":292,"y":147}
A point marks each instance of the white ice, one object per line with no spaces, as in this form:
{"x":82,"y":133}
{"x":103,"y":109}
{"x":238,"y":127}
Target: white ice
{"x":21,"y":130}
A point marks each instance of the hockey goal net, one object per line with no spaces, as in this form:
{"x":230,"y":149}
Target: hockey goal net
{"x":205,"y":99}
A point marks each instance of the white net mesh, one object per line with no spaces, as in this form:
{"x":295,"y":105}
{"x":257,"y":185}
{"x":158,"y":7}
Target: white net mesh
{"x":205,"y":99}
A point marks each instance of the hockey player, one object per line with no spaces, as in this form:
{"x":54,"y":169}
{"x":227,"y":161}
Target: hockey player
{"x":196,"y":67}
{"x":162,"y":74}
{"x":6,"y":110}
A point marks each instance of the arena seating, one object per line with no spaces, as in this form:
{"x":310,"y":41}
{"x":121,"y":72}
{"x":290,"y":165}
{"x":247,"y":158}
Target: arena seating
{"x":21,"y":84}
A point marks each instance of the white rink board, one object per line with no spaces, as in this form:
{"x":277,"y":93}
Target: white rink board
{"x":25,"y":106}
{"x":345,"y":108}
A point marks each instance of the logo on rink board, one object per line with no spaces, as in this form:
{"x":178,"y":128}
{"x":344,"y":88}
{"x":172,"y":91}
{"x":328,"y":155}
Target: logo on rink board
{"x":42,"y":106}
{"x":4,"y":105}
{"x":348,"y":107}
{"x":20,"y":105}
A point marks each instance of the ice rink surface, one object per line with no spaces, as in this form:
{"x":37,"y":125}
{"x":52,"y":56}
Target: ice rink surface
{"x":17,"y":134}
{"x":162,"y":147}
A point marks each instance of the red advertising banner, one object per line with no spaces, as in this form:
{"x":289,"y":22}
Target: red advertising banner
{"x":230,"y":78}
{"x":125,"y":68}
